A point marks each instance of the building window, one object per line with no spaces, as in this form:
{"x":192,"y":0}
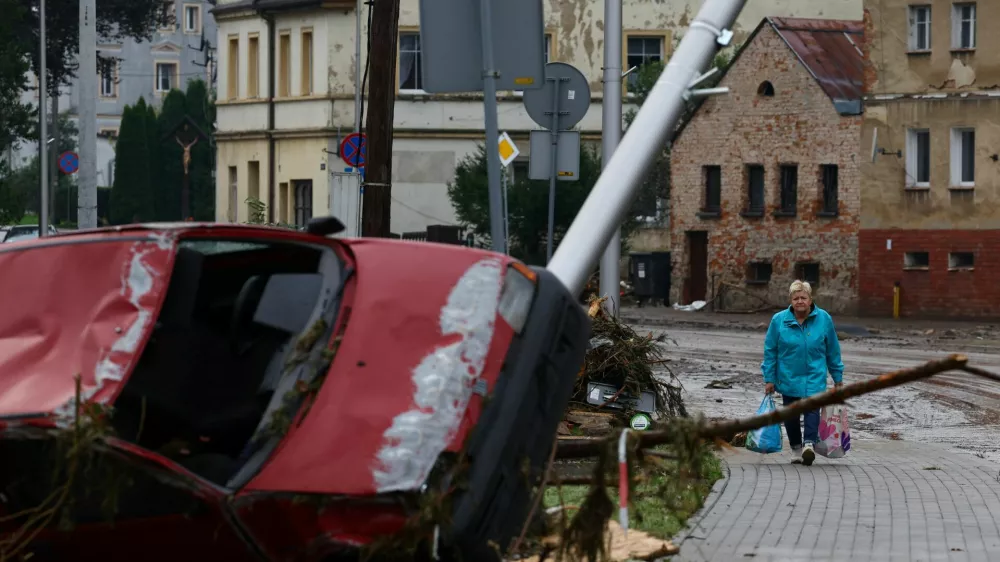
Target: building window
{"x":285,"y":58}
{"x":307,"y":62}
{"x":759,"y":273}
{"x":755,"y":190}
{"x":233,"y":195}
{"x":233,"y":67}
{"x":109,"y":84}
{"x":253,"y":185}
{"x":410,"y":72}
{"x":549,"y":47}
{"x":829,"y":175}
{"x":192,"y":18}
{"x":961,"y":260}
{"x":168,"y":17}
{"x":920,"y":28}
{"x":765,"y":89}
{"x":713,"y":189}
{"x":519,"y":170}
{"x":918,"y":158}
{"x":916,"y":260}
{"x":789,"y":188}
{"x":808,"y":272}
{"x":253,"y":66}
{"x":640,"y":51}
{"x":963,"y":157}
{"x":963,"y":26}
{"x":303,"y":202}
{"x":166,"y":76}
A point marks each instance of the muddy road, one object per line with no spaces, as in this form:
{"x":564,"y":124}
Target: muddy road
{"x":955,"y":409}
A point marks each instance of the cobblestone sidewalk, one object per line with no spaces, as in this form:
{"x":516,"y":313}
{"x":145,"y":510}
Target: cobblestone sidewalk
{"x":885,"y":501}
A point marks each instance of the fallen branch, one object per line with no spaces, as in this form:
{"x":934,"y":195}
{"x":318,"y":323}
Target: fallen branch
{"x":591,"y":448}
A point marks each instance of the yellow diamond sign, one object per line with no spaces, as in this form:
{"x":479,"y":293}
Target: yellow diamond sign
{"x":508,"y":150}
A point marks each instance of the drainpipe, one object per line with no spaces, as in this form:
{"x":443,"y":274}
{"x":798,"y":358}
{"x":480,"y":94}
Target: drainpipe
{"x":271,"y":82}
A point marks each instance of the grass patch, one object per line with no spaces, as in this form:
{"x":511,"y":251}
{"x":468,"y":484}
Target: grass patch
{"x":662,"y":502}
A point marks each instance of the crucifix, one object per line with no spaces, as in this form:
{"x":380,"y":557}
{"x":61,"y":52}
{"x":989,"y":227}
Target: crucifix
{"x":183,"y":137}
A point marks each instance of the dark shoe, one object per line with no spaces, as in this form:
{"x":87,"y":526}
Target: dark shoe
{"x":808,"y":455}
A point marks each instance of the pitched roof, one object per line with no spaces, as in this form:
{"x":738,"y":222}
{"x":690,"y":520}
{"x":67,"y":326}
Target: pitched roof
{"x":831,"y":52}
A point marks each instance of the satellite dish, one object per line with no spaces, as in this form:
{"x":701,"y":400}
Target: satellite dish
{"x":874,"y":144}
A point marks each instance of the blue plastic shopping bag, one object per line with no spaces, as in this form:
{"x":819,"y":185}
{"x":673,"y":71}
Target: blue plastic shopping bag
{"x":766,"y":439}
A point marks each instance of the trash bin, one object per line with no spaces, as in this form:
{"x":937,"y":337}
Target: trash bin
{"x":662,"y":268}
{"x":641,"y":273}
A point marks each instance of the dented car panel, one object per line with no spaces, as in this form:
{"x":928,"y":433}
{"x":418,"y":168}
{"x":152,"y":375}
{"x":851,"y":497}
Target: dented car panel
{"x":76,"y":307}
{"x":376,"y":424}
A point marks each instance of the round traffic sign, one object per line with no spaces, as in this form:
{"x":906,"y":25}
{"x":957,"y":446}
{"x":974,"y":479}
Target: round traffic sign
{"x":354,"y":149}
{"x":69,"y":162}
{"x":573,"y":97}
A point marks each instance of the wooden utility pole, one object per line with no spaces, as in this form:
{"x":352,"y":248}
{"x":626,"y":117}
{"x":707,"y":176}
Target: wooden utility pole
{"x":383,"y":37}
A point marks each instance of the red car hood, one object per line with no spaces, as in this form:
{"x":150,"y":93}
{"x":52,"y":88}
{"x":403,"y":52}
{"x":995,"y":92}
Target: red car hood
{"x":75,"y":307}
{"x":423,"y":330}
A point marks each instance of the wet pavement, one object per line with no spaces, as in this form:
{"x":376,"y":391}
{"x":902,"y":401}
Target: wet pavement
{"x":921,"y":481}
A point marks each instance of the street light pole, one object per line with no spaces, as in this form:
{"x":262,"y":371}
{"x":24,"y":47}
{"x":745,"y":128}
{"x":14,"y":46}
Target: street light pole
{"x":611,"y":197}
{"x":611,"y":134}
{"x":43,"y":146}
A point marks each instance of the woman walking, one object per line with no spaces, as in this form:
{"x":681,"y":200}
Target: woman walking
{"x":800,"y":348}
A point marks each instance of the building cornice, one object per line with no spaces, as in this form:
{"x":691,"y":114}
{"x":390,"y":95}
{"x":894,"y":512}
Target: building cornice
{"x":932,"y":96}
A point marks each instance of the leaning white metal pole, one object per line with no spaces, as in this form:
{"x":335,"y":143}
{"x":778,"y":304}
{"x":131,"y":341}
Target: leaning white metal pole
{"x":611,"y":135}
{"x":43,"y":139}
{"x":604,"y":210}
{"x":492,"y":130}
{"x":86,"y":199}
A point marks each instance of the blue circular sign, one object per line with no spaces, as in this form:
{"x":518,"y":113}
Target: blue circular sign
{"x":354,"y":150}
{"x":69,"y":162}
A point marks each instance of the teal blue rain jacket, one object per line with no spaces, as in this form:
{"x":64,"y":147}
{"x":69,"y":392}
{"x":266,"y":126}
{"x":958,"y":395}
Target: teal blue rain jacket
{"x":798,"y":357}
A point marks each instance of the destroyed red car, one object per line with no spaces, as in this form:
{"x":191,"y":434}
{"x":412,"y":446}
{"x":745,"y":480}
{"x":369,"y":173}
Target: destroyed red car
{"x":256,"y":393}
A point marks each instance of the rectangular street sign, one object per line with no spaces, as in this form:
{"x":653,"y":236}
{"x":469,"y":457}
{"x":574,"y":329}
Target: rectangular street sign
{"x":567,"y":156}
{"x":451,"y":45}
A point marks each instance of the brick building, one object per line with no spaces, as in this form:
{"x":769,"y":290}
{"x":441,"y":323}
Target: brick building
{"x":765,"y":179}
{"x":930,"y":186}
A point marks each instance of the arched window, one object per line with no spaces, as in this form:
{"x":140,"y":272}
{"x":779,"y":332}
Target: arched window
{"x":765,"y":89}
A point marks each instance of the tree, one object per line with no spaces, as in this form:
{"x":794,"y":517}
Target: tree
{"x":132,"y":194}
{"x":15,"y":117}
{"x":117,"y":20}
{"x":201,"y":108}
{"x":527,"y":203}
{"x":169,"y":180}
{"x":656,"y":186}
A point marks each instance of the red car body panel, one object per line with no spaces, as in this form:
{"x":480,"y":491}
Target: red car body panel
{"x":75,"y":308}
{"x":417,"y":353}
{"x":394,"y":326}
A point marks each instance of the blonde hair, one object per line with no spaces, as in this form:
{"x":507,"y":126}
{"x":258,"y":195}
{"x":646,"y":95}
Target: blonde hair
{"x":800,"y":286}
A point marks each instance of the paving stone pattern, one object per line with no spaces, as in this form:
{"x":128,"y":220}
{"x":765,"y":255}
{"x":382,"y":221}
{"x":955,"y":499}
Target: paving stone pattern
{"x":885,"y":501}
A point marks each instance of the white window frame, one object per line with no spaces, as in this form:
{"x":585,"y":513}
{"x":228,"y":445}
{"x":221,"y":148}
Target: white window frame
{"x":916,"y":29}
{"x":113,"y":75}
{"x":420,"y":54}
{"x":174,"y":78}
{"x":196,"y":9}
{"x":663,"y":55}
{"x":549,"y":43}
{"x":957,"y":19}
{"x":957,"y":156}
{"x":912,"y":162}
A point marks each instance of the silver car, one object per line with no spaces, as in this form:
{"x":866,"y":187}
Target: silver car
{"x":25,"y":232}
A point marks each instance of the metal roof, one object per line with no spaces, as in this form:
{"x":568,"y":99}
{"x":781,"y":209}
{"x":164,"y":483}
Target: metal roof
{"x":831,"y":51}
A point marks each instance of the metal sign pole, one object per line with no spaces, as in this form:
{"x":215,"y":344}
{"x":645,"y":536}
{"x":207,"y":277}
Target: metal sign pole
{"x":611,"y":135}
{"x":554,"y":131}
{"x":43,"y":141}
{"x":506,"y":209}
{"x":492,"y":130}
{"x":609,"y":201}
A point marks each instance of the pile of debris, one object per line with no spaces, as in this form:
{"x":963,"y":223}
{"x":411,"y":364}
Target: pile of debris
{"x":618,"y":380}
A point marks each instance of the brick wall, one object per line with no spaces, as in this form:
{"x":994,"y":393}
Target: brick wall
{"x":937,"y":290}
{"x":798,"y":125}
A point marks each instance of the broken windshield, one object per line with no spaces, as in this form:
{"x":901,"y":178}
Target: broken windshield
{"x":214,"y":364}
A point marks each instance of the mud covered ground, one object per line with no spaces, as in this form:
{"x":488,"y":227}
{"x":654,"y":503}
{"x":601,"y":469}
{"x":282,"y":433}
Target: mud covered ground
{"x":959,"y":410}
